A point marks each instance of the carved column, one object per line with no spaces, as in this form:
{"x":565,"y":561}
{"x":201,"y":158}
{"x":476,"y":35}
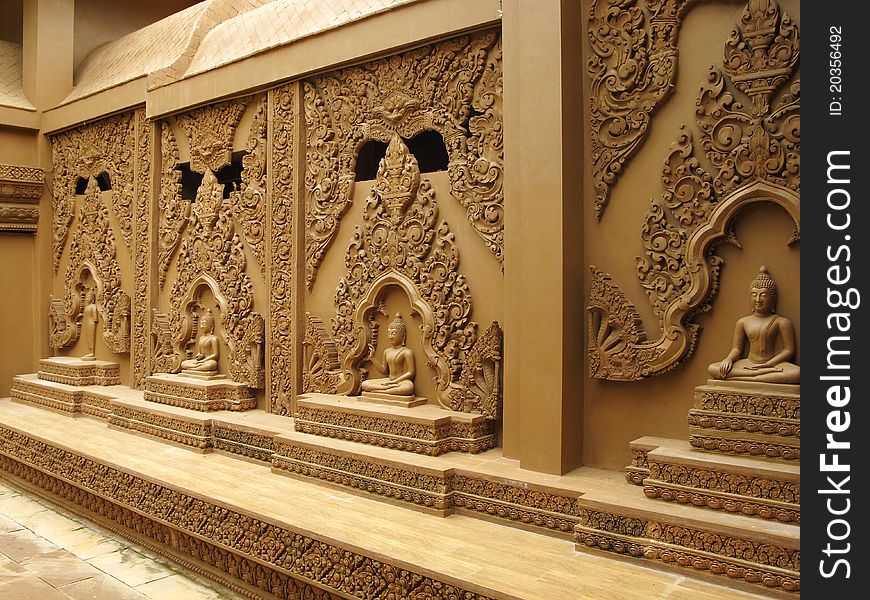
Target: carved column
{"x":142,"y":249}
{"x":285,"y":327}
{"x":543,"y":334}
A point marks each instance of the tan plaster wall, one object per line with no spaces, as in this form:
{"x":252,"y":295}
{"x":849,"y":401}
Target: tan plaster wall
{"x":11,"y":15}
{"x":617,"y":412}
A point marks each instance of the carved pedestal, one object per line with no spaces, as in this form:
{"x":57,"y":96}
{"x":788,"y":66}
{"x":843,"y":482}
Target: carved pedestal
{"x":391,"y":399}
{"x":199,"y":394}
{"x":75,"y":371}
{"x":746,"y":418}
{"x":425,"y":429}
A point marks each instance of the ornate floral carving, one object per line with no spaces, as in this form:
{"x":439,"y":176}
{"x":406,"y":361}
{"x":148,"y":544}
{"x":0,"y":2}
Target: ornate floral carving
{"x":481,"y":373}
{"x":20,"y":191}
{"x":632,"y":70}
{"x":174,"y":212}
{"x":401,"y":245}
{"x":212,"y":256}
{"x":106,"y":146}
{"x":755,"y":153}
{"x":93,"y":251}
{"x":248,"y":202}
{"x":162,"y":353}
{"x":211,"y":130}
{"x":321,"y":371}
{"x":453,"y":88}
{"x":282,"y":272}
{"x":141,"y":249}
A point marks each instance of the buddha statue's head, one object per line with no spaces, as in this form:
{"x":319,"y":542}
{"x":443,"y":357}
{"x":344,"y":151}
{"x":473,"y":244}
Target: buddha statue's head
{"x":397,"y":331}
{"x":207,"y":323}
{"x":90,"y":296}
{"x":763,"y":292}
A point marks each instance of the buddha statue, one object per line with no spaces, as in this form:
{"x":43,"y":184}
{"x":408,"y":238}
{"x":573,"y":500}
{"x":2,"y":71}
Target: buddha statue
{"x":398,"y":365}
{"x":205,"y":362}
{"x":90,"y":319}
{"x":762,"y":328}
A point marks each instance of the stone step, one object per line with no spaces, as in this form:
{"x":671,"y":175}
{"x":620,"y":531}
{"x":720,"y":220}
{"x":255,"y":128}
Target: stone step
{"x":747,"y":444}
{"x":638,"y":470}
{"x":426,"y":429}
{"x":751,"y":486}
{"x":623,"y":521}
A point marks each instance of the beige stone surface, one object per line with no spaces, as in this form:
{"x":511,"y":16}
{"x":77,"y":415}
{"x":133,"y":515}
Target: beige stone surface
{"x":11,"y":92}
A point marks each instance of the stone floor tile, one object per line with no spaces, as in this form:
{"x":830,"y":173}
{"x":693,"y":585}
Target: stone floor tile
{"x":130,"y":567}
{"x":23,"y":544}
{"x":89,"y":544}
{"x":177,"y":586}
{"x":20,"y":507}
{"x":59,"y":567}
{"x":104,"y":587}
{"x":7,"y":525}
{"x":29,"y":587}
{"x":9,"y":569}
{"x":49,"y":525}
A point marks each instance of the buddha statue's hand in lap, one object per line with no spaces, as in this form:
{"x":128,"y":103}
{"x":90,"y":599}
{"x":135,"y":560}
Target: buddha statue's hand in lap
{"x":207,"y":349}
{"x":762,"y":328}
{"x":398,"y":364}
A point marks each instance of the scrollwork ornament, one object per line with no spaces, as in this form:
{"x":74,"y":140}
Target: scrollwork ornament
{"x":210,"y":130}
{"x":754,"y":151}
{"x":248,"y":202}
{"x":453,"y":88}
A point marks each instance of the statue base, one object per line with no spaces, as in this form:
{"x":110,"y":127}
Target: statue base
{"x":214,"y":393}
{"x":748,"y":418}
{"x":426,"y":429}
{"x":202,"y":376}
{"x":79,"y":372}
{"x":392,"y":399}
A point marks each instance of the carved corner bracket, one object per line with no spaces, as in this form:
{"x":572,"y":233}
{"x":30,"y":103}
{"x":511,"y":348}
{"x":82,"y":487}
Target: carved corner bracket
{"x":20,"y":191}
{"x":453,"y":88}
{"x":754,"y":151}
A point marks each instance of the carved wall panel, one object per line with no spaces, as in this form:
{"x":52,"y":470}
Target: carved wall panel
{"x":402,"y":244}
{"x":211,"y":130}
{"x":453,"y":88}
{"x":212,"y":255}
{"x":93,"y":251}
{"x":174,"y":212}
{"x":321,"y":368}
{"x":248,"y":202}
{"x":282,"y":271}
{"x":632,"y":69}
{"x":754,"y":150}
{"x":109,"y":146}
{"x":141,"y":250}
{"x":20,"y":191}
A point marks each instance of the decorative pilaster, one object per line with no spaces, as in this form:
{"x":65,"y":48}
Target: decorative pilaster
{"x":20,"y":190}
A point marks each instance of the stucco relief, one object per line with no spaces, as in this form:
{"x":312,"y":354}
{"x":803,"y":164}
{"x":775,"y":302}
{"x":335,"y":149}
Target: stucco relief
{"x":174,"y":211}
{"x":20,"y":190}
{"x":248,"y":202}
{"x":141,"y":250}
{"x":105,"y":146}
{"x":754,"y":150}
{"x":92,"y":265}
{"x":453,"y":88}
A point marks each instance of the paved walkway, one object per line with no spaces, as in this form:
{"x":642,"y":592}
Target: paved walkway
{"x":47,"y":553}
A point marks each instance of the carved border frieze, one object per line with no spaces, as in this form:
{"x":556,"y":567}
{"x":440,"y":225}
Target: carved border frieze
{"x":754,"y":151}
{"x":272,"y":557}
{"x":755,"y":562}
{"x":786,"y":449}
{"x":281,"y":274}
{"x":139,"y":357}
{"x":20,"y":191}
{"x":453,"y":88}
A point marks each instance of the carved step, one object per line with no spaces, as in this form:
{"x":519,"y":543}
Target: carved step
{"x":199,"y":394}
{"x":75,"y":371}
{"x":760,"y":552}
{"x":756,"y":419}
{"x":61,"y":397}
{"x":638,"y":470}
{"x":426,"y":429}
{"x":750,"y":486}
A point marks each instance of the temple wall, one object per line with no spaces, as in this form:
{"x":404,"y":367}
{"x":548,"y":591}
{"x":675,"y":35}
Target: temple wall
{"x":617,"y":412}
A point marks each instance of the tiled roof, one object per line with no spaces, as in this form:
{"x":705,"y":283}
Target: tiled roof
{"x":11,"y":92}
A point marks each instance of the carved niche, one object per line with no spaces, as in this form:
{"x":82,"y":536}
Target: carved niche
{"x":20,"y":191}
{"x":754,"y":150}
{"x":453,"y":88}
{"x":105,"y":146}
{"x":92,"y":256}
{"x":402,"y":244}
{"x":212,"y":255}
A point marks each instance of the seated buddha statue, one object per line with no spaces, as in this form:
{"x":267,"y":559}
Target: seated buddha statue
{"x":205,"y":361}
{"x":398,"y":364}
{"x":763,"y":328}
